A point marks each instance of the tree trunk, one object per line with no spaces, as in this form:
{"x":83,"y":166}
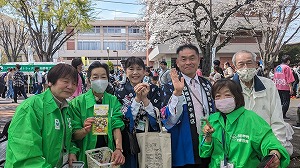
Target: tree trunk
{"x":206,"y":61}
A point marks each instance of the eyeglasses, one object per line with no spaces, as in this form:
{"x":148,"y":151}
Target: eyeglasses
{"x":243,"y":64}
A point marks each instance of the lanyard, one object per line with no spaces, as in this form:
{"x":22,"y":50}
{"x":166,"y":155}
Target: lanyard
{"x":202,"y":95}
{"x":224,"y":147}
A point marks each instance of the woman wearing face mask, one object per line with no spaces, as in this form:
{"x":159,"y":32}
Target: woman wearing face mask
{"x":235,"y":136}
{"x":139,"y":102}
{"x":83,"y":111}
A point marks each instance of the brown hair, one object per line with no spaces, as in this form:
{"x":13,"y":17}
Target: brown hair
{"x":234,"y":88}
{"x":62,"y":71}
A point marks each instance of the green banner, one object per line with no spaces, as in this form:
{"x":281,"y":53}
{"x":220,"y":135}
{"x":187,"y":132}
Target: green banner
{"x":27,"y":68}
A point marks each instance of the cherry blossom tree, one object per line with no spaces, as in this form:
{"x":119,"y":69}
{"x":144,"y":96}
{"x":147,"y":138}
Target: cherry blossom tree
{"x":278,"y":23}
{"x":201,"y":22}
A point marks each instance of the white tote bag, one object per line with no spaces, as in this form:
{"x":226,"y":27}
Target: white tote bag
{"x":155,"y":148}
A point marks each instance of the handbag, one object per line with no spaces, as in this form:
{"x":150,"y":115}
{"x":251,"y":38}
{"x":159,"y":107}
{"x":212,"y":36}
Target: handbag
{"x":129,"y":140}
{"x":155,"y":147}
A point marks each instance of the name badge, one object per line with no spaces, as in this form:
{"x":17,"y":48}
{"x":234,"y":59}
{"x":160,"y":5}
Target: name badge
{"x":141,"y":126}
{"x":57,"y":124}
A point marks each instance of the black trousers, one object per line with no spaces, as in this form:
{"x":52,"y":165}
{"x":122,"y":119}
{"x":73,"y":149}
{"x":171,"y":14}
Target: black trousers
{"x":4,"y":91}
{"x":16,"y":91}
{"x":285,"y":100}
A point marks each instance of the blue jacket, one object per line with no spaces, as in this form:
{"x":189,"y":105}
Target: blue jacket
{"x":183,"y":135}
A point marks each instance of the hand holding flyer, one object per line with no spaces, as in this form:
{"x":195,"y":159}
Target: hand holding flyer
{"x":100,"y":126}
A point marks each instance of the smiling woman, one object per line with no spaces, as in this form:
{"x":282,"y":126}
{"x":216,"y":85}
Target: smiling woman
{"x":62,"y":79}
{"x":139,"y":102}
{"x":229,"y":138}
{"x":97,"y":119}
{"x":42,"y":124}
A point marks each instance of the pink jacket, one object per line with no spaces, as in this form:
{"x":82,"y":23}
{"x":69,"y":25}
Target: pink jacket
{"x":78,"y":91}
{"x":283,"y":76}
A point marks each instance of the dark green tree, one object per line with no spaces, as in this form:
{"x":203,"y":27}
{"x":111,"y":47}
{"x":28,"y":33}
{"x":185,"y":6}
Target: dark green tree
{"x":51,"y":22}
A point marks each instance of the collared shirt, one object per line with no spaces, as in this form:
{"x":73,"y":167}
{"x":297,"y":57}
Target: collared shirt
{"x":98,"y":99}
{"x":61,"y":104}
{"x":248,"y":94}
{"x":176,"y":102}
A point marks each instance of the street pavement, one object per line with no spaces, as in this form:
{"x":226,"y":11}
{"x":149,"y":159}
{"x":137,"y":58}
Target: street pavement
{"x":7,"y":109}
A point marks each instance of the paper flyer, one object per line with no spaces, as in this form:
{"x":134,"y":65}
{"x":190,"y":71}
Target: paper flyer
{"x":100,"y":126}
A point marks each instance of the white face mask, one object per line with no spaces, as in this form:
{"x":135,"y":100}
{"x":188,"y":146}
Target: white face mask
{"x":99,"y":86}
{"x":246,"y":74}
{"x":226,"y":105}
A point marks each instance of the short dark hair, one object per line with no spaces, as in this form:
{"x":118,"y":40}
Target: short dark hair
{"x":61,"y":71}
{"x":134,"y":60}
{"x":234,"y":88}
{"x":155,"y":78}
{"x":36,"y":68}
{"x":217,"y":62}
{"x":228,"y":64}
{"x":97,"y":64}
{"x":285,"y":58}
{"x":189,"y":46}
{"x":76,"y":62}
{"x":163,"y":62}
{"x":18,"y":66}
{"x":149,"y":71}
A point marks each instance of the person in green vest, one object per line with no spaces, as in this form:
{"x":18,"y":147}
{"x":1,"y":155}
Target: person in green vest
{"x":41,"y":129}
{"x":83,"y":106}
{"x":235,"y":136}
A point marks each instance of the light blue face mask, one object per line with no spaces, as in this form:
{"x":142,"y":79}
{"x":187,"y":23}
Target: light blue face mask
{"x":99,"y":85}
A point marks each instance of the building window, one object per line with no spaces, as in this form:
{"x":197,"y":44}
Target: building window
{"x":114,"y":29}
{"x":130,"y":44}
{"x":114,"y":45}
{"x":134,"y":29}
{"x":93,"y":30}
{"x":88,"y":45}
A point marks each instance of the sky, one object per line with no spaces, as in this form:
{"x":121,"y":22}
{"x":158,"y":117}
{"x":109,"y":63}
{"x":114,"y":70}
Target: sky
{"x":109,"y":9}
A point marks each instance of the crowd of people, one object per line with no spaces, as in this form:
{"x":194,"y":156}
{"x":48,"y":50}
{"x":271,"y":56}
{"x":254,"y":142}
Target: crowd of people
{"x":15,"y":82}
{"x":213,"y":121}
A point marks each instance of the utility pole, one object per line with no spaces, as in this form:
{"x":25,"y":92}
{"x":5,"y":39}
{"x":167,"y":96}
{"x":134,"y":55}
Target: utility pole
{"x":107,"y":49}
{"x":117,"y":59}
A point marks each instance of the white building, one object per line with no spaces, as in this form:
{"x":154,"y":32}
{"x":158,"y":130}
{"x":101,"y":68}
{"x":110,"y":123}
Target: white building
{"x":107,"y":40}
